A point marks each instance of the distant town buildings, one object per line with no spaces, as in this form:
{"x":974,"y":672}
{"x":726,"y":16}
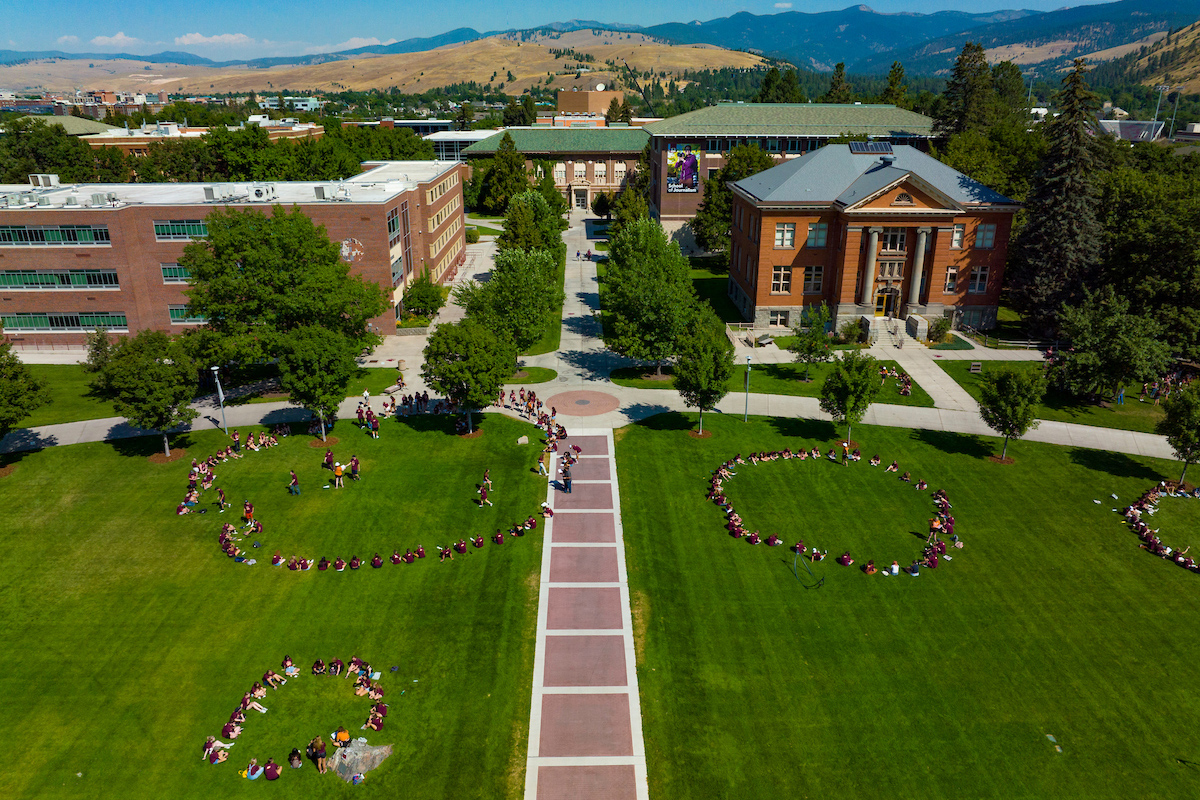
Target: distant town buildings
{"x":137,"y":141}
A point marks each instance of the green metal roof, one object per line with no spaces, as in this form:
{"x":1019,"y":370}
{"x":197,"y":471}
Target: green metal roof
{"x":794,"y":119}
{"x":74,"y":126}
{"x":539,"y":141}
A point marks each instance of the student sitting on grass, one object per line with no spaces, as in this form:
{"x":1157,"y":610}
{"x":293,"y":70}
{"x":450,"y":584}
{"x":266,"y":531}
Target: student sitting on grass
{"x":893,"y":467}
{"x":374,"y":722}
{"x":341,"y":737}
{"x":253,"y":770}
{"x":318,"y":667}
{"x":914,"y":569}
{"x":289,"y":668}
{"x":231,"y":730}
{"x":409,"y":556}
{"x":444,"y":553}
{"x":377,"y":562}
{"x":271,"y":770}
{"x":324,"y":564}
{"x":213,"y":748}
{"x":354,"y":562}
{"x":477,"y":541}
{"x":460,"y":546}
{"x":844,"y":559}
{"x":870,"y":568}
{"x":498,"y":536}
{"x":248,"y":702}
{"x":273,"y":679}
{"x":335,"y":667}
{"x":922,"y":486}
{"x":339,"y":565}
{"x":258,"y":690}
{"x":295,"y":759}
{"x":420,"y":551}
{"x":396,"y":557}
{"x":874,"y":462}
{"x":277,"y":560}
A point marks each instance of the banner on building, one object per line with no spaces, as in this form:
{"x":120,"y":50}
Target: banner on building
{"x":683,"y":168}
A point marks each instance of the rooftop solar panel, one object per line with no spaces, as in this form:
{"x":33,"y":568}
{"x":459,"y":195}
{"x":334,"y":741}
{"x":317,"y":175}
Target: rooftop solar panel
{"x":876,"y":148}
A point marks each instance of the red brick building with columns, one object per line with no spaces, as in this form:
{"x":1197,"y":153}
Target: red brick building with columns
{"x":873,"y":229}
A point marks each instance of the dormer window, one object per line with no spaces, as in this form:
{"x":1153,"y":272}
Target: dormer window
{"x":903,"y":199}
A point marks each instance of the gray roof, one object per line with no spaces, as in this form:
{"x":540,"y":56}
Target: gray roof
{"x":832,"y":174}
{"x":795,"y":119}
{"x":552,"y":141}
{"x":1131,"y":130}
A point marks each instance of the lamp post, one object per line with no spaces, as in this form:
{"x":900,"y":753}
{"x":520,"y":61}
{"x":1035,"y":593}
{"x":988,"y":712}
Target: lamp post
{"x":1161,"y":91}
{"x":220,"y":398}
{"x":746,"y":416}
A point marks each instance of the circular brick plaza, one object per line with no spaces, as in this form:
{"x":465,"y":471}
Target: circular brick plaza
{"x":583,"y":404}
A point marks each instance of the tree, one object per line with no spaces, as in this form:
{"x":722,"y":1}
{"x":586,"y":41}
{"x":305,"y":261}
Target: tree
{"x":779,"y":87}
{"x":704,"y":361}
{"x":712,"y":221}
{"x":20,"y":392}
{"x":1181,"y":426}
{"x":971,"y":153}
{"x":1011,"y":103}
{"x":513,"y":114}
{"x":255,"y":278}
{"x":629,"y":207}
{"x":650,"y":294}
{"x":464,"y":116}
{"x":315,"y":367}
{"x":839,"y":89}
{"x":1110,"y":345}
{"x":812,"y":338}
{"x":602,"y":204}
{"x":1009,"y":401}
{"x":530,"y":224}
{"x":468,"y":364}
{"x":1058,"y":248}
{"x":626,"y":112}
{"x":530,"y":109}
{"x":969,"y":96}
{"x":505,"y":179}
{"x":516,"y":300}
{"x":613,"y":114}
{"x":896,"y":92}
{"x":423,"y":297}
{"x":100,"y":349}
{"x":153,"y":381}
{"x":850,"y":388}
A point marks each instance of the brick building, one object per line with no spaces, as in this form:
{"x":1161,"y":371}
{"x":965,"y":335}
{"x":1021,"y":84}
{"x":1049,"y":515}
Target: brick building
{"x":688,"y":149}
{"x":583,"y":160}
{"x":587,"y":103}
{"x":76,"y":257}
{"x":137,"y":141}
{"x":872,"y":229}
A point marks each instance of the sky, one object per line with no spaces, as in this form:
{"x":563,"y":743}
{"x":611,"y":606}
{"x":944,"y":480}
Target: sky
{"x":232,"y":29}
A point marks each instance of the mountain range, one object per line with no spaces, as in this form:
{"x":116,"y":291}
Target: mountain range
{"x":865,"y":40}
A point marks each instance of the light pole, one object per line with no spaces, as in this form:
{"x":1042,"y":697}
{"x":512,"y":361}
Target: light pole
{"x":1161,"y":91}
{"x":220,"y":398}
{"x":1176,"y":111}
{"x":746,"y":416}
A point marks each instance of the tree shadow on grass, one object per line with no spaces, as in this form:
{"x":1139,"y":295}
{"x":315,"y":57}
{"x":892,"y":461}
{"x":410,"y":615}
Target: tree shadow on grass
{"x":19,"y":443}
{"x":797,"y":428}
{"x":959,"y":444}
{"x":658,"y":418}
{"x":149,"y":444}
{"x":1117,"y":465}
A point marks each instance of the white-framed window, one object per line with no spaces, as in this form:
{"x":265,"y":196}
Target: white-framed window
{"x":957,"y":236}
{"x":951,"y":280}
{"x":781,"y":280}
{"x":817,"y":233}
{"x":181,"y":316}
{"x":891,"y":269}
{"x":813,"y":278}
{"x":601,"y":170}
{"x":903,"y":199}
{"x":173,"y":273}
{"x":560,"y":173}
{"x":979,"y":279}
{"x":892,"y":240}
{"x":780,"y":319}
{"x":619,"y":171}
{"x":580,"y":170}
{"x":785,"y":235}
{"x":985,"y":237}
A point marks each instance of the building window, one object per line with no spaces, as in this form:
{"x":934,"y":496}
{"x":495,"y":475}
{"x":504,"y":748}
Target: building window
{"x":951,"y":280}
{"x":979,"y":278}
{"x":64,"y":323}
{"x":712,"y":172}
{"x":956,"y":238}
{"x":180,"y":316}
{"x":53,"y":235}
{"x":891,"y":269}
{"x":560,"y":173}
{"x":173,"y":273}
{"x":601,"y":171}
{"x":780,"y":319}
{"x":781,"y":280}
{"x":985,"y":237}
{"x":785,"y":235}
{"x":813,"y":278}
{"x":892,"y":240}
{"x":179,"y":230}
{"x":903,"y":199}
{"x":619,"y":171}
{"x":393,"y":227}
{"x":580,"y":170}
{"x":817,"y":231}
{"x":59,"y":279}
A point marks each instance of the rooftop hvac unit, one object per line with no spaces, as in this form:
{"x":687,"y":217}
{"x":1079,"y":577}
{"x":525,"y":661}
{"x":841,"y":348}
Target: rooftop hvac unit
{"x":99,"y":199}
{"x":43,"y":200}
{"x":72,"y":200}
{"x":12,"y":200}
{"x":262,"y":192}
{"x":43,"y":180}
{"x":210,"y":194}
{"x":111,"y":197}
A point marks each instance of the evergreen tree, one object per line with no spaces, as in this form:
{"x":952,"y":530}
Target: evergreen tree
{"x":513,"y":114}
{"x":839,"y":89}
{"x":712,"y":221}
{"x":530,"y":110}
{"x":505,"y":179}
{"x":769,"y":86}
{"x":626,"y":112}
{"x":614,"y":112}
{"x":896,"y":92}
{"x":969,"y":96}
{"x":1009,"y":96}
{"x":464,"y":116}
{"x":1058,"y":249}
{"x":789,"y":88}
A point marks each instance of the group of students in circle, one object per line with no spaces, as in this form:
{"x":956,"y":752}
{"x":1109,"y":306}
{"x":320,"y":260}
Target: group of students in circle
{"x":933,"y":553}
{"x":216,"y":751}
{"x":1147,"y":506}
{"x":203,"y":474}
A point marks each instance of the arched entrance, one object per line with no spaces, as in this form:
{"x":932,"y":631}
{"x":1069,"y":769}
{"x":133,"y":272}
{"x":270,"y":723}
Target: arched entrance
{"x":887,"y":302}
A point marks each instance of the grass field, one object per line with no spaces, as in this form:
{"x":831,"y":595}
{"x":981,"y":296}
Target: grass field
{"x":1049,"y":621}
{"x":70,"y":398}
{"x":129,"y":636}
{"x":782,"y":379}
{"x":372,"y":379}
{"x":710,"y":283}
{"x":1062,"y":406}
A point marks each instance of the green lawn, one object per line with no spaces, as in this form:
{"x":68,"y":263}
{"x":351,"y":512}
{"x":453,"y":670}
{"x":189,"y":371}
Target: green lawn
{"x":710,"y":282}
{"x":129,"y":636}
{"x":1051,"y":621}
{"x":484,"y":230}
{"x":535,"y":375}
{"x":486,"y":217}
{"x":1062,"y":406}
{"x":70,"y":398}
{"x":783,"y":379}
{"x":374,"y":379}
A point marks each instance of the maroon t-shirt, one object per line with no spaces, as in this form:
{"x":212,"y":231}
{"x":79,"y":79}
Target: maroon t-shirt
{"x":272,"y":771}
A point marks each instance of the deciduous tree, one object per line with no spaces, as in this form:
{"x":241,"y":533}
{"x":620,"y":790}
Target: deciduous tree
{"x":850,"y":388}
{"x":153,"y":381}
{"x":704,"y":361}
{"x":517,"y":299}
{"x":468,"y":364}
{"x":712,"y":221}
{"x":1009,"y":401}
{"x":315,"y":367}
{"x":1181,"y":425}
{"x":20,"y":392}
{"x":811,"y":345}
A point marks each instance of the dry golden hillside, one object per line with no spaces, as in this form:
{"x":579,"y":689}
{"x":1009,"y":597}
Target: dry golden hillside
{"x":1175,"y":62}
{"x":530,"y":63}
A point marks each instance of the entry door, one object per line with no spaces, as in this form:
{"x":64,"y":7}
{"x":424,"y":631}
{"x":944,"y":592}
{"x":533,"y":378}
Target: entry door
{"x":883,"y":301}
{"x":581,"y":198}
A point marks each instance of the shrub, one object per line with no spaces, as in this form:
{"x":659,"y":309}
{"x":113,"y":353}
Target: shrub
{"x":472,"y":235}
{"x":424,"y":298}
{"x":850,"y":332}
{"x":938,"y":329}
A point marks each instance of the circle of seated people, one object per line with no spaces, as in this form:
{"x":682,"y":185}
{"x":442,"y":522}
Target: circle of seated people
{"x":216,"y":751}
{"x":1144,"y":508}
{"x":933,"y":553}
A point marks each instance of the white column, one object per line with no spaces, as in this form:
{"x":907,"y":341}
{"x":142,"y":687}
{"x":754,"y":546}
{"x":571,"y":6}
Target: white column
{"x":918,"y":273}
{"x":868,"y":286}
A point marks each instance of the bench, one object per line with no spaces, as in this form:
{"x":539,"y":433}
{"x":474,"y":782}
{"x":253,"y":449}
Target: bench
{"x":976,"y":367}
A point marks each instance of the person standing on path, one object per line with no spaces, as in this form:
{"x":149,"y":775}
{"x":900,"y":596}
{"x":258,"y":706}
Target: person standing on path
{"x":294,"y":486}
{"x":566,"y":473}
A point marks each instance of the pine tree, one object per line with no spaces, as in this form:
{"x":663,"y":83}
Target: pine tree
{"x":1059,"y":247}
{"x":530,"y":109}
{"x":969,"y":96}
{"x":896,"y":92}
{"x":614,"y":112}
{"x":789,"y":88}
{"x":768,"y":87}
{"x":839,"y":90}
{"x":505,"y":179}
